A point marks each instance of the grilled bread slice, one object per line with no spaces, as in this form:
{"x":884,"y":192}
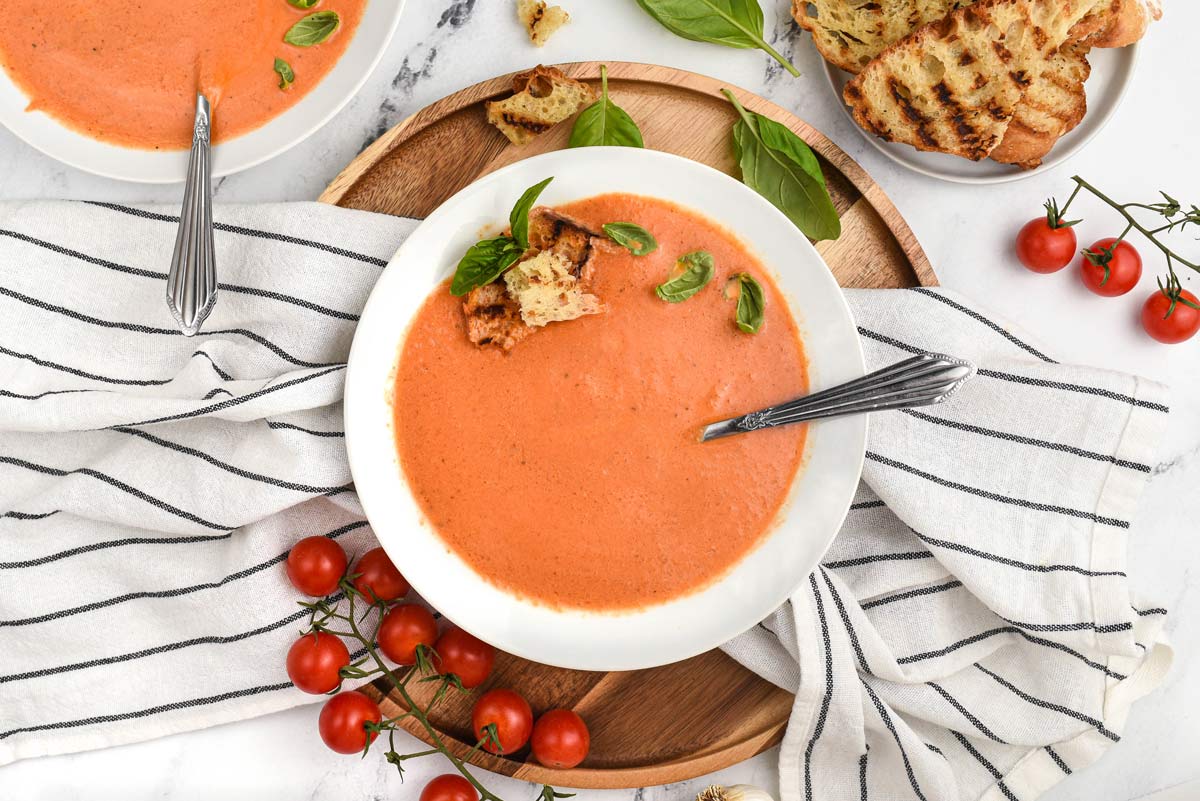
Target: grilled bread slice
{"x":849,"y":34}
{"x":954,"y":85}
{"x":542,"y":97}
{"x":547,"y":291}
{"x":1054,"y":104}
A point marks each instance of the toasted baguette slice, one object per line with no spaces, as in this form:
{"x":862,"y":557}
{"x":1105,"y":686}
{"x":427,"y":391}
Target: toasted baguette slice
{"x":540,"y":20}
{"x":547,"y":292}
{"x":1118,"y":23}
{"x":542,"y":97}
{"x":954,"y":86}
{"x":1054,"y":105}
{"x":849,"y":34}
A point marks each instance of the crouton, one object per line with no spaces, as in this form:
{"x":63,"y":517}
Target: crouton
{"x":547,"y":292}
{"x":540,"y":20}
{"x":493,"y":318}
{"x":542,"y":97}
{"x":566,"y":237}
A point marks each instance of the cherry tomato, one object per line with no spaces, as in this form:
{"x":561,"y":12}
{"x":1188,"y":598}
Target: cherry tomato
{"x":378,"y":577}
{"x":1181,"y":326}
{"x":314,"y":660}
{"x":449,"y":787}
{"x":464,"y":655}
{"x":343,"y":720}
{"x":403,"y":628}
{"x":511,"y":715}
{"x":560,"y":739}
{"x":1046,"y":249}
{"x":1114,"y":275}
{"x":315,"y":565}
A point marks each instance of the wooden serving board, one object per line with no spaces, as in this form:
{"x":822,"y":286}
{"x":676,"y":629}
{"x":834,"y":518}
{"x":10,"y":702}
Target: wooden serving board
{"x":672,"y":723}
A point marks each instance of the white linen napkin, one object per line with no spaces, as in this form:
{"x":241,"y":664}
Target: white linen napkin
{"x":971,"y":634}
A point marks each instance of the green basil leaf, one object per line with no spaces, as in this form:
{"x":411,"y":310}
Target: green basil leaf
{"x":605,"y":123}
{"x":518,"y":219}
{"x":304,"y":3}
{"x":484,"y":262}
{"x":781,"y":177}
{"x":698,"y":271}
{"x":313,"y":29}
{"x":750,"y":303}
{"x":286,"y":76}
{"x":631,"y":236}
{"x":782,"y":140}
{"x":733,"y":23}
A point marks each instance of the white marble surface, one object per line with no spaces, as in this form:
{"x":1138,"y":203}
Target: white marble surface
{"x":443,"y":45}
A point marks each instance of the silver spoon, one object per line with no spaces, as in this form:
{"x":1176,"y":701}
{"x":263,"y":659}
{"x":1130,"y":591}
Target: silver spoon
{"x":920,"y":381}
{"x":192,"y":279}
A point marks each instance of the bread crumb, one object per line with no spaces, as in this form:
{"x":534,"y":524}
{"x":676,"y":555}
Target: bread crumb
{"x":540,"y":20}
{"x":547,"y":292}
{"x":542,"y":97}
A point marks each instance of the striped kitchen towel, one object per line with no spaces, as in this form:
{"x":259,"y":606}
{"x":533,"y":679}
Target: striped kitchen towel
{"x":971,"y":634}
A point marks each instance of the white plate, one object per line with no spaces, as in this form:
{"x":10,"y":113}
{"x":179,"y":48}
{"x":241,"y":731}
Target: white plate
{"x":316,"y":108}
{"x":1112,"y":72}
{"x":664,"y":633}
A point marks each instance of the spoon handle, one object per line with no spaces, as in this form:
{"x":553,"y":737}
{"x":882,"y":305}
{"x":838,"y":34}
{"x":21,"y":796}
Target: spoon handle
{"x":920,"y":381}
{"x":192,"y":279}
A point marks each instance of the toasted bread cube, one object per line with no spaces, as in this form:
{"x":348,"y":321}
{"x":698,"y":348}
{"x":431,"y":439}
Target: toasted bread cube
{"x":540,"y":20}
{"x":547,"y":292}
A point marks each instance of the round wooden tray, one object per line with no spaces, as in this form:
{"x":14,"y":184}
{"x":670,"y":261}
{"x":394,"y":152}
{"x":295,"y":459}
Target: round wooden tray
{"x":672,"y":723}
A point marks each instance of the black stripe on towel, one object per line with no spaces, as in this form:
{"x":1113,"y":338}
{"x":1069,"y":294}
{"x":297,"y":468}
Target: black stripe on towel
{"x":983,"y":635}
{"x":862,"y":774}
{"x":1037,"y":443}
{"x":867,"y":505}
{"x":966,"y":713}
{"x":274,"y":425}
{"x":821,"y":716}
{"x":917,"y":593}
{"x":251,"y":232}
{"x":30,"y":515}
{"x":62,"y":368}
{"x":974,"y":315}
{"x":101,"y":546}
{"x":995,"y":496}
{"x":1098,"y":725}
{"x":1063,"y":766}
{"x":841,"y":607}
{"x":887,"y":721}
{"x":879,"y":557}
{"x":175,"y":593}
{"x":216,"y":368}
{"x":1004,"y":560}
{"x":121,"y":485}
{"x":997,"y":775}
{"x":1108,"y":628}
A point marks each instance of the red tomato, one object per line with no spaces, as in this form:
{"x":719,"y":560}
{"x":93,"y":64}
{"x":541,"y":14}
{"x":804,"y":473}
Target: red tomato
{"x":464,"y":655}
{"x":1046,"y":249}
{"x":1111,"y":275}
{"x":314,"y":660}
{"x":315,"y":565}
{"x":1180,"y":326}
{"x":343,"y":722}
{"x":560,"y":739}
{"x":378,"y":577}
{"x":449,"y":787}
{"x":405,"y":627}
{"x":511,"y":715}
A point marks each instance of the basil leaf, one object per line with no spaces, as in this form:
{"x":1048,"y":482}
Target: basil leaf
{"x":484,"y":262}
{"x":697,"y":273}
{"x":750,"y":303}
{"x":733,"y":23}
{"x":313,"y":29}
{"x":304,"y":3}
{"x":518,"y":219}
{"x":631,"y":236}
{"x":782,"y":140}
{"x":774,"y":167}
{"x":286,"y":76}
{"x":604,"y":122}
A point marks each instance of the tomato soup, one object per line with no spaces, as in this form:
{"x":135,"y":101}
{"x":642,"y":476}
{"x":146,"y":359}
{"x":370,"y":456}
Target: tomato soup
{"x":128,"y":72}
{"x":569,"y":471}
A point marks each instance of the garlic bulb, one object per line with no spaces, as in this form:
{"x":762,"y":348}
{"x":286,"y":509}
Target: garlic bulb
{"x":735,"y":792}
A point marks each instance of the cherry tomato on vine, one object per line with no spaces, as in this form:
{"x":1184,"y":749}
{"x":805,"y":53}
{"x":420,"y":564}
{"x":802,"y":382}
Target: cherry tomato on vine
{"x":378,"y":577}
{"x":403,"y":628}
{"x":315,"y":565}
{"x":1111,"y":267}
{"x":560,"y":739}
{"x":511,"y":715}
{"x":314,"y":660}
{"x":464,"y":655}
{"x":1182,"y":322}
{"x":449,"y":787}
{"x":1047,"y":244}
{"x":343,"y":722}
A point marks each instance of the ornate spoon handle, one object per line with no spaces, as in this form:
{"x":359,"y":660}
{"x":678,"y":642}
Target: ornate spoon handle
{"x":192,"y":279}
{"x":920,"y":381}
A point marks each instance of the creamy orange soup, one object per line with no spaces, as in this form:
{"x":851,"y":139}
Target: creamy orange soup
{"x":128,"y":72}
{"x":569,"y":471}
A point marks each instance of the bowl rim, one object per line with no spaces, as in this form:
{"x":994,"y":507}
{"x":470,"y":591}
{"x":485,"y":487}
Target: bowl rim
{"x":633,"y":639}
{"x":95,"y":156}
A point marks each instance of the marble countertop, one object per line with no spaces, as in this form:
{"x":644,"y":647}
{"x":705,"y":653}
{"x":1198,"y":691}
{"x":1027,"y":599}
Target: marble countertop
{"x":443,"y":45}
